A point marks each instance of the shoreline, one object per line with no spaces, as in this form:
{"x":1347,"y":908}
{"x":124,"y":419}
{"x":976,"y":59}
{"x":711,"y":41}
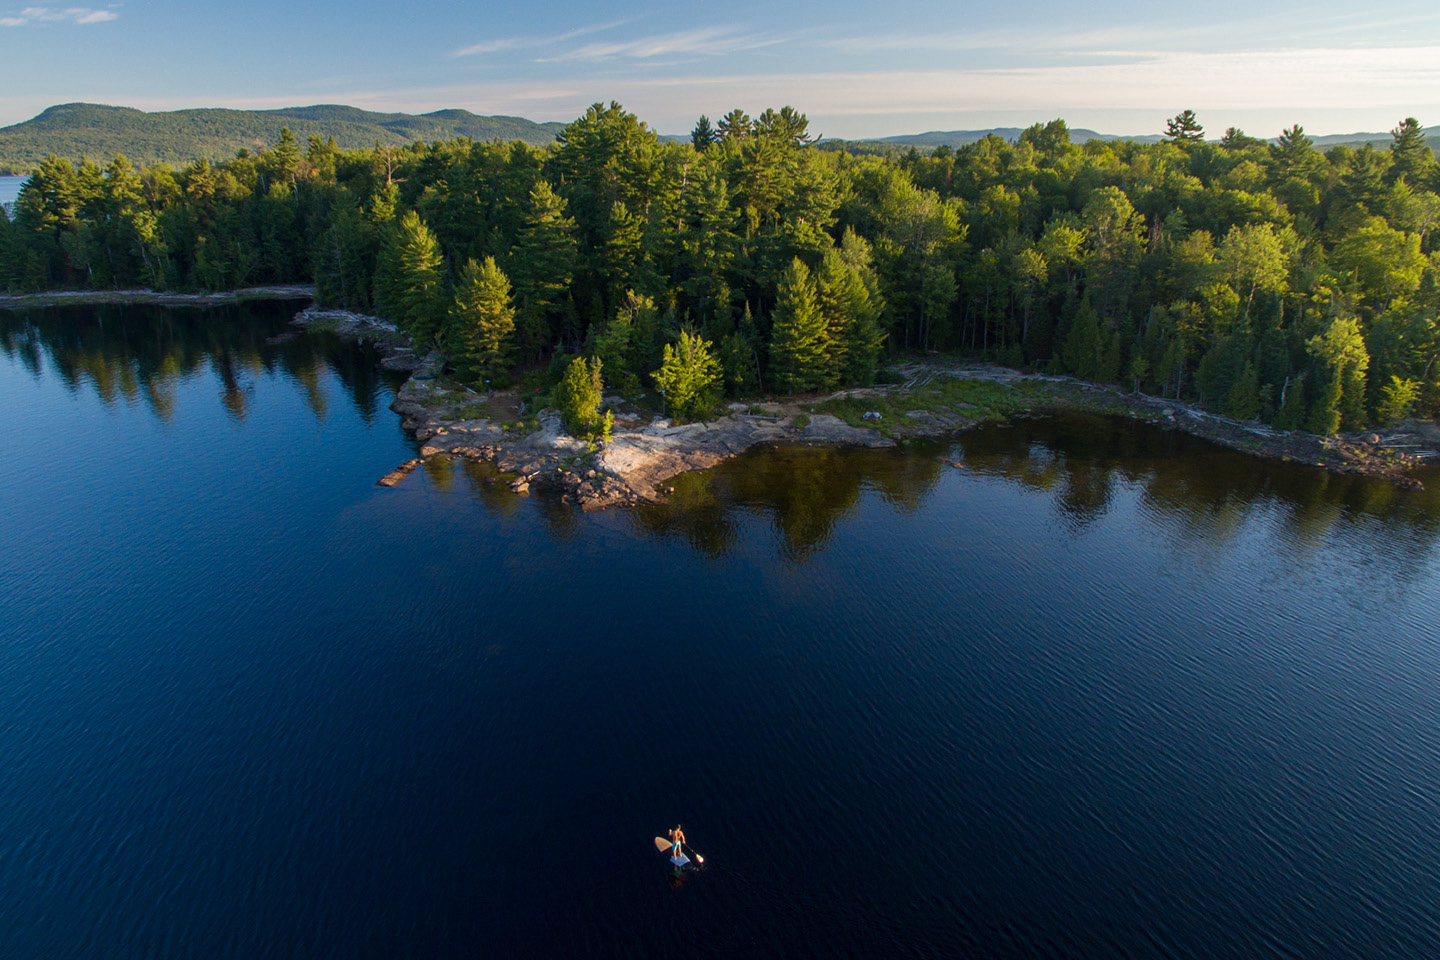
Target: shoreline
{"x":160,"y":298}
{"x":937,"y":400}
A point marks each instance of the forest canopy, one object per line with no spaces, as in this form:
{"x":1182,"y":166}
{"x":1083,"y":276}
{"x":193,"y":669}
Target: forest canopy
{"x":1262,"y":280}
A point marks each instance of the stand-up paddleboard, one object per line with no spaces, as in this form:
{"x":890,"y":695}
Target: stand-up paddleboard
{"x":677,"y":856}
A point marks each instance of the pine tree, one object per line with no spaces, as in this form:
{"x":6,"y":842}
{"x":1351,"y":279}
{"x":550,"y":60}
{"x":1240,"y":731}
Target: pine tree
{"x":833,"y":284}
{"x":735,"y":126}
{"x":578,"y":396}
{"x":283,"y":159}
{"x":1292,"y":409}
{"x":481,"y":321}
{"x":1183,"y":128}
{"x":853,"y":332}
{"x":1398,"y":398}
{"x":689,"y":377}
{"x":1085,"y":347}
{"x":543,"y":263}
{"x":1409,"y":153}
{"x":1325,"y":413}
{"x":704,"y":134}
{"x":798,"y":360}
{"x":341,"y":260}
{"x":409,"y":279}
{"x":1342,"y":358}
{"x":1243,"y":400}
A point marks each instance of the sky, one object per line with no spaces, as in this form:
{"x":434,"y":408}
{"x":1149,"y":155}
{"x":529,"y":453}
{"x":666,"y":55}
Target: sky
{"x":857,"y":68}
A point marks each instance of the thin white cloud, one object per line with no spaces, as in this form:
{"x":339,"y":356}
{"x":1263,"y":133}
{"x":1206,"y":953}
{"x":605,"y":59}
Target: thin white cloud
{"x":523,"y":43}
{"x":1309,"y":79}
{"x":1259,"y":32}
{"x":711,"y":41}
{"x":77,"y":15}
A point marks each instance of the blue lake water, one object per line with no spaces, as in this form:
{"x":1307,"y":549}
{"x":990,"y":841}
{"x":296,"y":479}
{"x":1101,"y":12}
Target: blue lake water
{"x":10,"y":189}
{"x":1106,"y":691}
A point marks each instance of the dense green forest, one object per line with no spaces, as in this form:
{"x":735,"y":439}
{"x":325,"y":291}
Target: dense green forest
{"x":178,"y":137}
{"x":1260,"y":280}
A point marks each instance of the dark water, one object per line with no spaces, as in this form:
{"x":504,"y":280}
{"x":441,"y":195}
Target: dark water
{"x":1104,"y":692}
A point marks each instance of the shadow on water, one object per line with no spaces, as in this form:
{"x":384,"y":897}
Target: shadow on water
{"x":1080,"y":462}
{"x":805,"y":491}
{"x":139,"y":355}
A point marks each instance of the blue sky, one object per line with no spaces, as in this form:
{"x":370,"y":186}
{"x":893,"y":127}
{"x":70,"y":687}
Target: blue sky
{"x":856,"y":68}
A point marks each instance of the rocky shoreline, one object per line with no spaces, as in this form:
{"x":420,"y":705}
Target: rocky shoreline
{"x":160,"y":298}
{"x":531,"y":449}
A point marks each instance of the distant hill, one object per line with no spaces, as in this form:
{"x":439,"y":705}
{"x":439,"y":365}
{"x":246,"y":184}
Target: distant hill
{"x":958,"y":138}
{"x":178,"y":137}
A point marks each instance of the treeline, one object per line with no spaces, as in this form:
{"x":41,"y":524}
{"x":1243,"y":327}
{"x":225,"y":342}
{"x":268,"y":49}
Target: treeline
{"x":1269,"y":281}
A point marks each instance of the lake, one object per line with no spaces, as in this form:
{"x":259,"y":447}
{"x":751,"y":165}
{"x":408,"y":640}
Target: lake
{"x":1105,"y":691}
{"x":10,"y":190}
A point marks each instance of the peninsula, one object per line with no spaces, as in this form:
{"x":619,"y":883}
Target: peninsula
{"x":748,"y":286}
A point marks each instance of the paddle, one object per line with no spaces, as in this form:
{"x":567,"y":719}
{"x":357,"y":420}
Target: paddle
{"x":663,"y":845}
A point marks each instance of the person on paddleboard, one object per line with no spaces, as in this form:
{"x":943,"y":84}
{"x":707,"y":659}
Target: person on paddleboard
{"x":677,"y":837}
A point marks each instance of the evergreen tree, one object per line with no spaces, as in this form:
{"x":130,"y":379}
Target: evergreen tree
{"x":1292,"y":152}
{"x":1399,"y":397}
{"x":578,"y":396}
{"x":853,"y":332}
{"x":1341,"y":357}
{"x":1243,"y":400}
{"x":798,"y":361}
{"x":610,"y":345}
{"x":1411,"y":157}
{"x":703,"y":135}
{"x":1221,"y":369}
{"x":1085,"y":347}
{"x":689,"y":377}
{"x":737,"y":362}
{"x":735,"y":126}
{"x":543,"y":263}
{"x":409,"y":281}
{"x":343,"y":260}
{"x":283,"y":160}
{"x":1183,"y":128}
{"x":481,"y":321}
{"x":1292,"y":408}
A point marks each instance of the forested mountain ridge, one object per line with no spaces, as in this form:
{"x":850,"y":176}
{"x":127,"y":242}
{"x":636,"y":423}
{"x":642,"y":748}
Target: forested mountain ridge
{"x":1261,"y":280}
{"x":959,"y":138}
{"x":75,"y":130}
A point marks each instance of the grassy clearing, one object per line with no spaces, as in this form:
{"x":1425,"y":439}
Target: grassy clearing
{"x":970,"y":399}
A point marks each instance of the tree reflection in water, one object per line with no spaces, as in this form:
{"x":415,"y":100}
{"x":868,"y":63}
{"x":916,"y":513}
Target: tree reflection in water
{"x":1081,"y":463}
{"x":139,"y":355}
{"x":804,"y":490}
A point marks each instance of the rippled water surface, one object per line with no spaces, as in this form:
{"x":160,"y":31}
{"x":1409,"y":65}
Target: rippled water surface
{"x":1104,"y":691}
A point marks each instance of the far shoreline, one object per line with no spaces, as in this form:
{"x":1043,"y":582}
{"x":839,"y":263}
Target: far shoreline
{"x":159,"y":298}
